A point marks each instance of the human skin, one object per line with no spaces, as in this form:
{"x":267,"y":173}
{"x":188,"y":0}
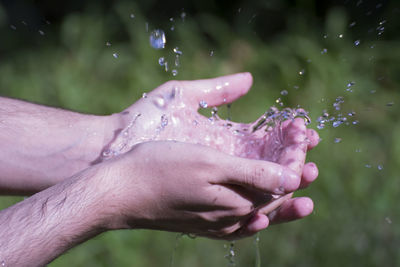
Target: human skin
{"x":194,"y":188}
{"x":170,"y":112}
{"x":138,"y":190}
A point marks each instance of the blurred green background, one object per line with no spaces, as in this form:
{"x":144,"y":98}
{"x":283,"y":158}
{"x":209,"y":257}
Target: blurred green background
{"x":56,"y":54}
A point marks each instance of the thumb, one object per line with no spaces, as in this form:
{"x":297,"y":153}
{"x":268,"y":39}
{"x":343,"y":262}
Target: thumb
{"x":217,"y":91}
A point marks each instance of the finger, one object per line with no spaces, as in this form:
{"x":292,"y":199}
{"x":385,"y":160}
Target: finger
{"x":313,"y":138}
{"x":217,"y":91}
{"x":231,"y":193}
{"x":264,"y":176}
{"x":310,"y":173}
{"x":295,"y":146}
{"x":292,"y":209}
{"x":255,"y":224}
{"x":273,"y":205}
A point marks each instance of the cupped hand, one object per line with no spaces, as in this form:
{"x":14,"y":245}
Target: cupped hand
{"x":170,"y":113}
{"x":174,"y":186}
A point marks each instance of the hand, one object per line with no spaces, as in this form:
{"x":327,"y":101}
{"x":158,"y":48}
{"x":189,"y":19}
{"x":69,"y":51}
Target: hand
{"x":191,"y":188}
{"x":170,"y":113}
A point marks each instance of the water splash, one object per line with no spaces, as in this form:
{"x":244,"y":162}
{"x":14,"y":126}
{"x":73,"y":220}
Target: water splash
{"x":257,"y":249}
{"x":177,"y":240}
{"x":231,"y":254}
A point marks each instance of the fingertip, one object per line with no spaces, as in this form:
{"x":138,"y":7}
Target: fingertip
{"x":257,"y":223}
{"x":303,"y":206}
{"x":313,"y":138}
{"x":310,"y":173}
{"x":292,"y":209}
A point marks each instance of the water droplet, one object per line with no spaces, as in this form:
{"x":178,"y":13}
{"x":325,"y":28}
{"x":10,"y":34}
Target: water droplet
{"x":352,"y":24}
{"x":338,"y":140}
{"x":211,"y":53}
{"x":336,"y":123}
{"x":388,"y":220}
{"x":13,"y":27}
{"x":301,"y":72}
{"x":358,"y":150}
{"x":279,"y":102}
{"x":203,"y":104}
{"x":172,"y":28}
{"x":349,"y":87}
{"x":214,"y":111}
{"x":357,"y":42}
{"x":324,"y":51}
{"x":368,"y":166}
{"x":159,"y":102}
{"x":41,"y":32}
{"x":284,"y":92}
{"x":115,"y":55}
{"x":380,"y":167}
{"x":340,"y":36}
{"x":144,"y":95}
{"x":157,"y":39}
{"x":164,"y":121}
{"x":339,"y":101}
{"x":355,"y":122}
{"x":177,"y":51}
{"x":146,"y":26}
{"x":183,"y":16}
{"x":132,"y":16}
{"x":174,"y":72}
{"x":177,"y":63}
{"x":161,"y":61}
{"x":166,"y":66}
{"x":372,"y":91}
{"x":107,"y":153}
{"x":325,"y":36}
{"x":108,"y":44}
{"x":351,"y":114}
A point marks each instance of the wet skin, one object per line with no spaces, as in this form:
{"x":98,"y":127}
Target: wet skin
{"x":170,"y":113}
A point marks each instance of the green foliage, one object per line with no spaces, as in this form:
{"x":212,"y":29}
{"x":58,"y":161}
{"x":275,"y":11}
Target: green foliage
{"x":356,"y":216}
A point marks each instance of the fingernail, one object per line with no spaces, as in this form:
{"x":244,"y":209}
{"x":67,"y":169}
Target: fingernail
{"x":290,"y":181}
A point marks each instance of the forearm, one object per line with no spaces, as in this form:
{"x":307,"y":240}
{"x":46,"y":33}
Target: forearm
{"x":40,"y":228}
{"x":40,"y":143}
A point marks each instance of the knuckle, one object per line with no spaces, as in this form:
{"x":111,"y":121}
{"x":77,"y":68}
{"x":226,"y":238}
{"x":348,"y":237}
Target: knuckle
{"x":254,"y":175}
